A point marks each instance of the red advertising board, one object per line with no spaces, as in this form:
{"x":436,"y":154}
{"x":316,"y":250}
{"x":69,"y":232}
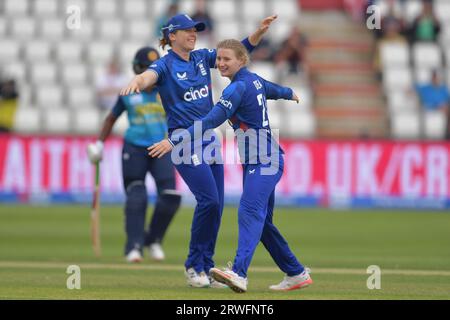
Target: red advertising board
{"x":319,"y":170}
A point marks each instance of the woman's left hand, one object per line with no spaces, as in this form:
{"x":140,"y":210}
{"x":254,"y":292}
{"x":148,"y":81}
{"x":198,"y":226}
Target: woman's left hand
{"x":266,"y":22}
{"x":159,"y":149}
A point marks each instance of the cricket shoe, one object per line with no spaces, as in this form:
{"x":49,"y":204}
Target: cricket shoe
{"x":134,"y":256}
{"x":195,"y":279}
{"x":227,"y":276}
{"x":156,"y":252}
{"x":216,"y":284}
{"x":299,"y":281}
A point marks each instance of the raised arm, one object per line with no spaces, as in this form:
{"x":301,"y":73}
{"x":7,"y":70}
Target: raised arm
{"x":256,"y":37}
{"x":140,"y":82}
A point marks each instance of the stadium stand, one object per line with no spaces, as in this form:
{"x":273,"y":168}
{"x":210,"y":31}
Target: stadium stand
{"x":56,"y":66}
{"x":406,"y":65}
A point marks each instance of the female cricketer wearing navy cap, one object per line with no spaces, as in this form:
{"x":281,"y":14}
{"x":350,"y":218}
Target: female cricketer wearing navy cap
{"x":244,"y":103}
{"x":183,"y":80}
{"x":148,"y":124}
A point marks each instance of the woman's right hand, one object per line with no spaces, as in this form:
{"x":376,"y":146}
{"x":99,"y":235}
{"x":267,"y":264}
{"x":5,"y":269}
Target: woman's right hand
{"x":133,"y":87}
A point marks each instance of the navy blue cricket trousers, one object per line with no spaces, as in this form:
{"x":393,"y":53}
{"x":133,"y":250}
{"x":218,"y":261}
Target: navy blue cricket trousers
{"x":255,"y":215}
{"x":206,"y":182}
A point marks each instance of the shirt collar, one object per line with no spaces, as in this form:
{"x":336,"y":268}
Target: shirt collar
{"x":240,"y":73}
{"x":175,"y":55}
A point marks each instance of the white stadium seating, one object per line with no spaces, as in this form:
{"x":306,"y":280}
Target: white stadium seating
{"x":397,"y":78}
{"x":401,"y":101}
{"x":37,"y":51}
{"x":43,"y":73}
{"x":16,"y":7}
{"x":395,"y":54}
{"x":52,"y":29}
{"x":265,"y":70}
{"x":228,"y":30}
{"x":9,"y":50}
{"x":56,"y":120}
{"x":405,"y":125}
{"x":135,"y":8}
{"x":427,"y":55}
{"x":100,"y":52}
{"x":49,"y":96}
{"x":285,"y":9}
{"x":69,"y":51}
{"x":110,"y":29}
{"x":104,"y":8}
{"x":442,"y":10}
{"x":45,"y":8}
{"x":140,"y":30}
{"x":86,"y":120}
{"x":435,"y":124}
{"x":3,"y":26}
{"x":223,"y":10}
{"x":85,"y":32}
{"x":74,"y":74}
{"x":16,"y":70}
{"x":253,"y":9}
{"x":23,"y":28}
{"x":300,"y":123}
{"x":187,"y":6}
{"x":80,"y":96}
{"x":27,"y":120}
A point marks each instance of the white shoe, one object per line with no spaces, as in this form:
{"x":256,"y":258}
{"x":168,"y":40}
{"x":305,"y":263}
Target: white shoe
{"x":156,"y":252}
{"x":227,"y":276}
{"x":134,"y":256}
{"x":299,"y":281}
{"x":196,"y":280}
{"x":216,"y":284}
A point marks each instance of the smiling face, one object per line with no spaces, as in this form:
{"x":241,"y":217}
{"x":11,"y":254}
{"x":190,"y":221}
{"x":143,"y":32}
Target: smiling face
{"x":184,"y":39}
{"x":227,"y":62}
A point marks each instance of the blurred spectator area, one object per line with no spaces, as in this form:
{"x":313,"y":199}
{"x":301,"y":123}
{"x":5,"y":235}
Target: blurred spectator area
{"x":56,"y":67}
{"x":405,"y":65}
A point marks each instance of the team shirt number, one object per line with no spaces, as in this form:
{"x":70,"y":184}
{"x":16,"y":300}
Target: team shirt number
{"x":263,"y":104}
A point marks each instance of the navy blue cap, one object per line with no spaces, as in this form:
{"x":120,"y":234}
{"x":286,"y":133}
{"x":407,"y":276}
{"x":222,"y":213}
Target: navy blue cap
{"x":181,"y":22}
{"x":146,"y":56}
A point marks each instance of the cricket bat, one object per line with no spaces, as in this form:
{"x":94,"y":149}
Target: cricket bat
{"x":95,"y":214}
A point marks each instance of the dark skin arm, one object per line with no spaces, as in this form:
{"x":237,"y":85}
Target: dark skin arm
{"x":107,"y":127}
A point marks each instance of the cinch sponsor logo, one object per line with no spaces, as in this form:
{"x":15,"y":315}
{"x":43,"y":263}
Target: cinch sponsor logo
{"x":226,"y":103}
{"x":193,"y":95}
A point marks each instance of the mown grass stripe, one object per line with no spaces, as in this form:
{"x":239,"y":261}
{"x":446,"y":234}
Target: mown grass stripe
{"x":171,"y":267}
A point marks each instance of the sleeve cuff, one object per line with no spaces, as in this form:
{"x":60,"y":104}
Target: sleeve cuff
{"x":248,"y":45}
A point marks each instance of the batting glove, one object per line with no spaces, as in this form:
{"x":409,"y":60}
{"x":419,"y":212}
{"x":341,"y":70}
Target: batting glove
{"x":95,"y":151}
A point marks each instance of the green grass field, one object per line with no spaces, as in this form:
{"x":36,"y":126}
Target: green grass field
{"x":37,"y":244}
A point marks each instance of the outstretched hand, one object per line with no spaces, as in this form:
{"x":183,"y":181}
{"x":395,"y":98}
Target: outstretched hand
{"x":133,"y":87}
{"x":266,"y":22}
{"x":295,"y":98}
{"x":159,"y":149}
